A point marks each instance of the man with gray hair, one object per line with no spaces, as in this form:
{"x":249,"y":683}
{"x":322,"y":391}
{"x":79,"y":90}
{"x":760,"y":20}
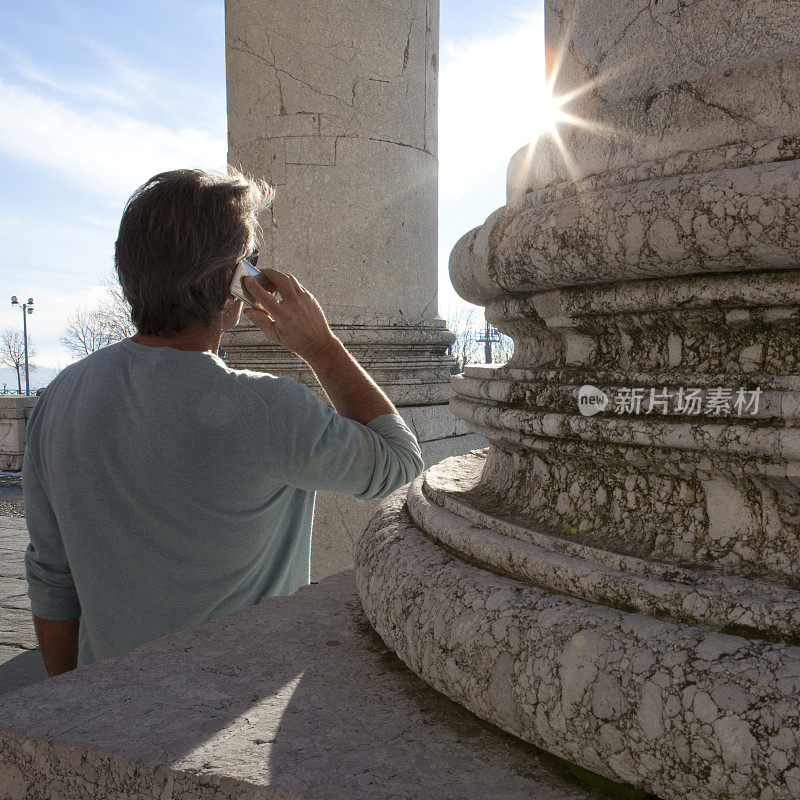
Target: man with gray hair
{"x":163,"y":489}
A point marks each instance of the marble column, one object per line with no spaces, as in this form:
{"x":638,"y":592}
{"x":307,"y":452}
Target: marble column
{"x":616,"y":582}
{"x":334,"y":103}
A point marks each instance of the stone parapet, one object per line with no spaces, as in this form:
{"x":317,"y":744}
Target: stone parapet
{"x":296,"y":698}
{"x":14,"y":413}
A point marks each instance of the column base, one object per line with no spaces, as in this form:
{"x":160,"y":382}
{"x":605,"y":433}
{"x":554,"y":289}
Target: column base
{"x":598,"y":658}
{"x":408,"y":361}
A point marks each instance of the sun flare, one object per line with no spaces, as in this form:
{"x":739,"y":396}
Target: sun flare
{"x":547,"y":112}
{"x":549,"y":117}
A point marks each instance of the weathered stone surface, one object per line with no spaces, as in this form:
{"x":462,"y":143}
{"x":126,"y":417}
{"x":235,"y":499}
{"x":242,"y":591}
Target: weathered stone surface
{"x":14,"y":413}
{"x":336,"y":104}
{"x":534,"y":556}
{"x":618,"y":582}
{"x":657,"y":81}
{"x":623,"y":694}
{"x":296,"y":697}
{"x":743,"y":218}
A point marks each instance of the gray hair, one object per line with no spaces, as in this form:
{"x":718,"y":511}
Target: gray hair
{"x":181,"y":232}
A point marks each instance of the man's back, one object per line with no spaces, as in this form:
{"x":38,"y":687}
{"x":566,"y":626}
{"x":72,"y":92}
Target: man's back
{"x":183,"y":490}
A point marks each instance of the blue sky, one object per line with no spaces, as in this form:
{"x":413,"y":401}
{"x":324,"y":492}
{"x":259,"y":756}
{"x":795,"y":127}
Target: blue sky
{"x":96,"y":97}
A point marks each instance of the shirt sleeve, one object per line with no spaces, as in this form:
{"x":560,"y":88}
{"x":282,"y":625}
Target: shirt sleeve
{"x":50,"y":584}
{"x":309,"y":446}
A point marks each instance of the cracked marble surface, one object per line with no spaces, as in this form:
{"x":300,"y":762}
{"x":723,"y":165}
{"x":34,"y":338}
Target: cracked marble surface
{"x":620,"y":587}
{"x":723,"y":221}
{"x":336,"y":105}
{"x":679,"y":710}
{"x":486,"y":530}
{"x":666,"y":77}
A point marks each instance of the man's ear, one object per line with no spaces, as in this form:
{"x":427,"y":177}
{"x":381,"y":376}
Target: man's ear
{"x":228,"y":278}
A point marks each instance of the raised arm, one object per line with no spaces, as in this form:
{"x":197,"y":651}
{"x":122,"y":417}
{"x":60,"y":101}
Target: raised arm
{"x":315,"y":447}
{"x":297,"y":322}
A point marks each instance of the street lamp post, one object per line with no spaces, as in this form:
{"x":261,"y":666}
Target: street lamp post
{"x":27,"y":308}
{"x":492,"y":335}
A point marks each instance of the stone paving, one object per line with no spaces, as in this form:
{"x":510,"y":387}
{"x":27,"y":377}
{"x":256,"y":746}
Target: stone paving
{"x":20,"y":662}
{"x":11,"y":504}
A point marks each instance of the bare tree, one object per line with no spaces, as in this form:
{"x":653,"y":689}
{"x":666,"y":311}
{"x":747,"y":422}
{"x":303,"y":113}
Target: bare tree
{"x":87,"y":330}
{"x":462,"y":322}
{"x":90,"y":329}
{"x":117,"y":310}
{"x":471,"y":333}
{"x":12,"y":353}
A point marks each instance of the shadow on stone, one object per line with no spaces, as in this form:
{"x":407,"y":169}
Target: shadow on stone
{"x":470,"y":753}
{"x":22,"y":670}
{"x":297,"y":695}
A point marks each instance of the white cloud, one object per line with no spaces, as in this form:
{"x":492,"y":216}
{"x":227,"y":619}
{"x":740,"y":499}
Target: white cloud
{"x":120,"y":84}
{"x":104,"y":136}
{"x":491,"y":93}
{"x":21,"y":65}
{"x":108,"y":152}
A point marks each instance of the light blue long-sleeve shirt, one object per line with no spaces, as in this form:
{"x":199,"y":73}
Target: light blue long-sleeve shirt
{"x":163,"y":489}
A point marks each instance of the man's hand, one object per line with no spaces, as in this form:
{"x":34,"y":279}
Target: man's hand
{"x":296,"y":321}
{"x":58,"y":641}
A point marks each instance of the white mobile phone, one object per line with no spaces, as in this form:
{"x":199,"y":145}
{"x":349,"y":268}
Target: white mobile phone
{"x":236,"y":288}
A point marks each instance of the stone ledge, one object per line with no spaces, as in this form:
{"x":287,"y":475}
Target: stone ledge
{"x":294,"y":698}
{"x":757,"y":608}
